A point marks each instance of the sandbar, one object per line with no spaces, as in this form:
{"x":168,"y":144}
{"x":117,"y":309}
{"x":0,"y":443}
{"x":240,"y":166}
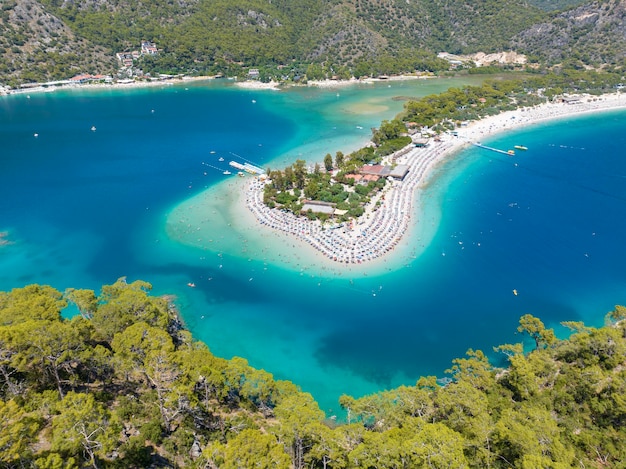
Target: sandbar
{"x":229,"y":218}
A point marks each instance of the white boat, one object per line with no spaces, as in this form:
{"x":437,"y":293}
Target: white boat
{"x":227,"y":172}
{"x":220,"y":159}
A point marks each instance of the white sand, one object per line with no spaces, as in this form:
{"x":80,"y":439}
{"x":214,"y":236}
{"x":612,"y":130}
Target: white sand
{"x":257,"y":85}
{"x":525,"y":116}
{"x":352,"y":81}
{"x":272,"y":85}
{"x":244,"y":236}
{"x":99,"y":86}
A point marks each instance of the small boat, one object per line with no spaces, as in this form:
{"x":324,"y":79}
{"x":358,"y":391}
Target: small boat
{"x":515,"y":292}
{"x":521,"y":147}
{"x":510,"y":152}
{"x":227,"y":172}
{"x":93,"y":128}
{"x":191,"y":285}
{"x":220,"y":159}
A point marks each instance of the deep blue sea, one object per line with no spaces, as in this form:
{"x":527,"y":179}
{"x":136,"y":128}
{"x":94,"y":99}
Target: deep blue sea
{"x":84,"y":207}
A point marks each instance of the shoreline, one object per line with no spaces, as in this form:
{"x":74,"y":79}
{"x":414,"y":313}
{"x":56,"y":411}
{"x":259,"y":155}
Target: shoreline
{"x":373,"y":235}
{"x":45,"y":88}
{"x":379,"y":232}
{"x":328,"y":83}
{"x":169,"y":81}
{"x":383,"y":240}
{"x":522,"y":117}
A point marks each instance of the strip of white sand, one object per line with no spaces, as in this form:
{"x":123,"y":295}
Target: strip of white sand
{"x":327,"y":83}
{"x":131,"y":84}
{"x":387,"y":237}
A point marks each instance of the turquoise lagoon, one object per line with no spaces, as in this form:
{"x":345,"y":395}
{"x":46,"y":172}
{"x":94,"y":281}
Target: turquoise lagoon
{"x":84,"y":207}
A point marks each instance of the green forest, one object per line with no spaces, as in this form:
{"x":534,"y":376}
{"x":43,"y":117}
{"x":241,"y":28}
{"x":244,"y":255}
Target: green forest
{"x":44,"y":40}
{"x":120,"y":383}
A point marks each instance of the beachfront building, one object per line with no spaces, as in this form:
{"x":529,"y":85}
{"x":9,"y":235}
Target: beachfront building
{"x":571,"y":99}
{"x":362,"y":178}
{"x":397,"y":172}
{"x":420,"y":142}
{"x":82,"y":79}
{"x":318,"y":207}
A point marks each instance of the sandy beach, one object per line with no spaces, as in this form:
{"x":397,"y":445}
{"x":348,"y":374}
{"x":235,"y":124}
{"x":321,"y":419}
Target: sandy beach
{"x":382,"y":240}
{"x":43,"y":87}
{"x":328,"y":83}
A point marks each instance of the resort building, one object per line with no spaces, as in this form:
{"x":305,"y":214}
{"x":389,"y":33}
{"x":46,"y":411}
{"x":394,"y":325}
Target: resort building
{"x":127,"y":58}
{"x":317,"y":206}
{"x":420,"y":142}
{"x":148,"y":48}
{"x":83,"y":78}
{"x":571,"y":99}
{"x":398,"y":171}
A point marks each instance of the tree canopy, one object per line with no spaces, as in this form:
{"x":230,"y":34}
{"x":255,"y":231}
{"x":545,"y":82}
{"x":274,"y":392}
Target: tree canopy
{"x":144,"y":393}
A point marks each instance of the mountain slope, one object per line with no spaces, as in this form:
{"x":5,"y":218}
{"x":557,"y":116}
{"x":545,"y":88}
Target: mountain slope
{"x":36,"y":45}
{"x":260,"y":31}
{"x":49,"y":39}
{"x":594,"y":33}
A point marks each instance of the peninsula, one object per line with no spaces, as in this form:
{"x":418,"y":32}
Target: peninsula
{"x":388,"y":215}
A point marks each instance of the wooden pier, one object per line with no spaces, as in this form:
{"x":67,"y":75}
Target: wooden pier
{"x":497,"y":150}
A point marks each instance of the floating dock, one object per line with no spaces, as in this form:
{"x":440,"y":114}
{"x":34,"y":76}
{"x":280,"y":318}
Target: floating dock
{"x":247,"y":167}
{"x":504,"y":152}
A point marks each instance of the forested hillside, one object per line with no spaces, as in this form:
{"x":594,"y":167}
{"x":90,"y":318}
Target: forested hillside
{"x":35,"y":45}
{"x":555,"y":5}
{"x":211,"y":36}
{"x":121,"y":384}
{"x":51,"y":39}
{"x":591,"y":34}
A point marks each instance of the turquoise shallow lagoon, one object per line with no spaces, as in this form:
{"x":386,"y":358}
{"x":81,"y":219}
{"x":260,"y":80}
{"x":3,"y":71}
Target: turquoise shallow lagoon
{"x":84,"y":208}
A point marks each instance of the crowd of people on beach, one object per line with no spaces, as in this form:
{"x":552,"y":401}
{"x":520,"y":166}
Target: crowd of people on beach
{"x":387,"y":216}
{"x":369,"y":237}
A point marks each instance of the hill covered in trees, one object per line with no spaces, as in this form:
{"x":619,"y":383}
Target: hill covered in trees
{"x":53,"y":39}
{"x":36,"y":45}
{"x":122,"y":384}
{"x":593,"y":33}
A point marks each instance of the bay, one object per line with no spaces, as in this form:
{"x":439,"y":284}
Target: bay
{"x":84,"y":207}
